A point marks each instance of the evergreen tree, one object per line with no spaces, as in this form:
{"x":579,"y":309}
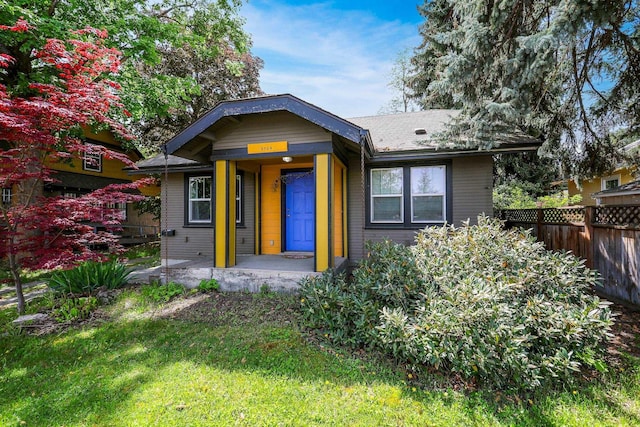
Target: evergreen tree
{"x":564,"y":71}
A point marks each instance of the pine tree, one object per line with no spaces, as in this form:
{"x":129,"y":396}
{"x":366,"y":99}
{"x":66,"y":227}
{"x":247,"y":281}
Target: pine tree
{"x":564,"y":71}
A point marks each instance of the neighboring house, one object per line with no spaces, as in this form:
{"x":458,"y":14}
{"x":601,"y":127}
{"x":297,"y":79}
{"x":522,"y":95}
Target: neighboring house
{"x":275,"y":174}
{"x":620,"y":176}
{"x":625,"y":194}
{"x":81,"y":176}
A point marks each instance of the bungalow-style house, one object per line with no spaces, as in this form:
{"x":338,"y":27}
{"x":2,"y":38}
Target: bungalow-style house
{"x":277,"y":176}
{"x":589,"y":188}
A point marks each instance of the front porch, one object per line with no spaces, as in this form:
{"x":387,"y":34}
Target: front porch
{"x":280,"y":273}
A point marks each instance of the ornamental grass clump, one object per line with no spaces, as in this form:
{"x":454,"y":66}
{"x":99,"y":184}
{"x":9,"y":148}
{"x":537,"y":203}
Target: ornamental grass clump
{"x":90,"y":276}
{"x":490,"y":305}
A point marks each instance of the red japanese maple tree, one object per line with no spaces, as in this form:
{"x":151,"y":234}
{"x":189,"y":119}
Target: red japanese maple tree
{"x":43,"y":108}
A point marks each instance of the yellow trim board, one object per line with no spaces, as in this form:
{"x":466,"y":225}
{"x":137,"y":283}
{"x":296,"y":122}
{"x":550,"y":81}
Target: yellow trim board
{"x":268,"y":147}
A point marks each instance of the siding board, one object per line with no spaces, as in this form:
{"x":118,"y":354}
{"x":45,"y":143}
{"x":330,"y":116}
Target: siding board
{"x":276,"y":126}
{"x":188,"y":243}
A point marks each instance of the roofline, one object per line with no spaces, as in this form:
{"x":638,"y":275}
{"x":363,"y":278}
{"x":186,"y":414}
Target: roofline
{"x":266,"y":104}
{"x":615,"y":194}
{"x":434,"y":154}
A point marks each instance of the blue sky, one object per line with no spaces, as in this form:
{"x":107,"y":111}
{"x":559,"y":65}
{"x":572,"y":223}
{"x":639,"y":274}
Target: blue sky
{"x":337,"y":55}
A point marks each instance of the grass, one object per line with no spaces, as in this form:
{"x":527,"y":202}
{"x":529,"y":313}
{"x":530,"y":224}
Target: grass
{"x":254,"y":367}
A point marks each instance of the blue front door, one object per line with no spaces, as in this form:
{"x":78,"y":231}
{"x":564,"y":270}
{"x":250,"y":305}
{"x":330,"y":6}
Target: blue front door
{"x":299,"y":211}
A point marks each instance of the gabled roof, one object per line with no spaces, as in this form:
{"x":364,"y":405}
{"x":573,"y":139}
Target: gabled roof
{"x":397,"y":132}
{"x":266,"y":104}
{"x":412,"y":132}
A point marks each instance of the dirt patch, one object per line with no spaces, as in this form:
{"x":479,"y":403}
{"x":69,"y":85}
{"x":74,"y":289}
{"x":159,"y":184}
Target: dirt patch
{"x":237,"y":308}
{"x":626,"y":332}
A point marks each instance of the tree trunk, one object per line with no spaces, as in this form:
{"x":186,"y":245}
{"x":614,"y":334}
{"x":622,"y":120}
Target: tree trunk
{"x":15,"y":272}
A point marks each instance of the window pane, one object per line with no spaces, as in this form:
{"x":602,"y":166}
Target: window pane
{"x":428,"y":180}
{"x":612,"y":183}
{"x":387,"y":209}
{"x":386,"y":181}
{"x":201,"y":211}
{"x":427,"y":208}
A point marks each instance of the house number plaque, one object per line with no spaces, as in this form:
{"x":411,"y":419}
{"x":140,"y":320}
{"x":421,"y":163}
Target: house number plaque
{"x":267,"y":147}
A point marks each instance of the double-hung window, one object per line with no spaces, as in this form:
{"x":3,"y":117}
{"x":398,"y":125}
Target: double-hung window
{"x":200,"y":199}
{"x":408,"y":196}
{"x":387,"y":201}
{"x":428,"y":194}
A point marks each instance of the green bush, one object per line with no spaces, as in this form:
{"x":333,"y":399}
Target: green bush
{"x":488,"y":304}
{"x":88,"y":277}
{"x":349,"y":310}
{"x":161,"y":293}
{"x":209,"y":285}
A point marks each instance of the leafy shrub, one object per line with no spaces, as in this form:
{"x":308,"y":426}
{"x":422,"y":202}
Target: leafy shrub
{"x":75,"y":308}
{"x":209,"y":285}
{"x":349,"y":310}
{"x":89,"y":276}
{"x":160,"y":293}
{"x":491,"y":305}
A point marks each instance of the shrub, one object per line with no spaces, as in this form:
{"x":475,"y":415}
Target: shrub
{"x":349,"y":310}
{"x":494,"y":306}
{"x":208,"y":285}
{"x":75,"y":308}
{"x":160,"y":293}
{"x":89,"y":276}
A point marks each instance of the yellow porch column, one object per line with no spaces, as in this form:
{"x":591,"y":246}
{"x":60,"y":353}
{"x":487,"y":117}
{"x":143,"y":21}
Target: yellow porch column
{"x":225,"y":214}
{"x":324,"y":229}
{"x":345,"y":234}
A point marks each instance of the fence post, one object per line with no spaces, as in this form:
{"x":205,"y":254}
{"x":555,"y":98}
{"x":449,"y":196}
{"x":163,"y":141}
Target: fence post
{"x":539,"y":221}
{"x":588,"y":235}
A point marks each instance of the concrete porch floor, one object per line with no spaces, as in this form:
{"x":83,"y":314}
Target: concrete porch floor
{"x":280,"y":273}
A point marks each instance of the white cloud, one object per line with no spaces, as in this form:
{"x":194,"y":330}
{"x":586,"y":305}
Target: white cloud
{"x":337,"y":60}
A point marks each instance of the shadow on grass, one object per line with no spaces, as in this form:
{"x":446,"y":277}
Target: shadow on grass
{"x":97,"y":374}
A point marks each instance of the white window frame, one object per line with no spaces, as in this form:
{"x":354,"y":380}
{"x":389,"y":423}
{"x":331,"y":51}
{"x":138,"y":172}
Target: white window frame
{"x":201,"y":199}
{"x":443,"y":194}
{"x":238,"y":199}
{"x":92,"y":162}
{"x":6,"y":196}
{"x":604,"y":180}
{"x":376,"y":196}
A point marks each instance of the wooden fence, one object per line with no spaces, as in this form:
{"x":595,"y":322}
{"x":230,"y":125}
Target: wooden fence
{"x":607,"y":237}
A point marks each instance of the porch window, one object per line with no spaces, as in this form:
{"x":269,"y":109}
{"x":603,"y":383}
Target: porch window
{"x":428,"y":194}
{"x":239,"y":199}
{"x":386,"y":195}
{"x":200,"y":199}
{"x":121,"y":208}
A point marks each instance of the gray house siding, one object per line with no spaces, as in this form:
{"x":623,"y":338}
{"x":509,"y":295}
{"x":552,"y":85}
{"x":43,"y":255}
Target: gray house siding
{"x":194,"y":242}
{"x":472,"y":193}
{"x":277,"y":126}
{"x":188,"y":243}
{"x":472,"y":188}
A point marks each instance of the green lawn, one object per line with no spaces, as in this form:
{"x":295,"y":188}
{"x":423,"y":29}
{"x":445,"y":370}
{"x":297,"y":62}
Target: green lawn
{"x":249,"y":364}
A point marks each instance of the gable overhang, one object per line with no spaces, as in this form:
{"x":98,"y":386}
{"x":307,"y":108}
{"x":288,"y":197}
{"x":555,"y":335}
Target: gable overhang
{"x":267,"y":104}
